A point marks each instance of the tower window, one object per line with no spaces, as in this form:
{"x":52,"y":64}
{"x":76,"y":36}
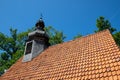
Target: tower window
{"x":28,"y":48}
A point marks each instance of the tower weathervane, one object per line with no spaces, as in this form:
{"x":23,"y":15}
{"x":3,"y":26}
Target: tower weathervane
{"x":41,"y":16}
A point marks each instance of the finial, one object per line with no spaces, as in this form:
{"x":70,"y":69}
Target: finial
{"x":41,"y":16}
{"x":40,"y":24}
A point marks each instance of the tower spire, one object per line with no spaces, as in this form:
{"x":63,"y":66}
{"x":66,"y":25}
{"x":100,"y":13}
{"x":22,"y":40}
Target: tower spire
{"x":40,"y":24}
{"x":41,"y":16}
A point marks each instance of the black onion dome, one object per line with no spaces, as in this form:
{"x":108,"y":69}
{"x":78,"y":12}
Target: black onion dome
{"x":40,"y":24}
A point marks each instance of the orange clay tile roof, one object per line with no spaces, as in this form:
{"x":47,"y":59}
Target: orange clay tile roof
{"x":93,"y":57}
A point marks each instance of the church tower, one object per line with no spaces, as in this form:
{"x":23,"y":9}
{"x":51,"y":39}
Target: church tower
{"x":37,"y":41}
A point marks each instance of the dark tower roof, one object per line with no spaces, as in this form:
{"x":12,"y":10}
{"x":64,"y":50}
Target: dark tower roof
{"x":40,"y":24}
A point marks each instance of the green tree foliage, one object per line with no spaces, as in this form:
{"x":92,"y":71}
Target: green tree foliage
{"x":13,"y":43}
{"x":77,"y":36}
{"x":116,"y":37}
{"x":12,"y":46}
{"x":4,"y":56}
{"x":103,"y":24}
{"x":54,"y":35}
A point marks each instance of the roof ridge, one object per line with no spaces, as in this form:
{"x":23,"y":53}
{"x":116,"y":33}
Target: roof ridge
{"x":82,"y":37}
{"x":106,"y":30}
{"x":90,"y":35}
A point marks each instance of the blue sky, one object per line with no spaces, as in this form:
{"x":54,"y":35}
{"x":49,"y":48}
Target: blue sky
{"x":70,"y":16}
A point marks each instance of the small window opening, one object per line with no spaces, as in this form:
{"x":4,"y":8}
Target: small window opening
{"x":28,"y":48}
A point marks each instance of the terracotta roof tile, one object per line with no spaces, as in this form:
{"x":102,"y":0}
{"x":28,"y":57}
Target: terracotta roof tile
{"x":93,"y":57}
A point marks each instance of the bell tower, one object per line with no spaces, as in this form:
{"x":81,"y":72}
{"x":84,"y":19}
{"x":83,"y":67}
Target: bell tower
{"x":37,"y":41}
